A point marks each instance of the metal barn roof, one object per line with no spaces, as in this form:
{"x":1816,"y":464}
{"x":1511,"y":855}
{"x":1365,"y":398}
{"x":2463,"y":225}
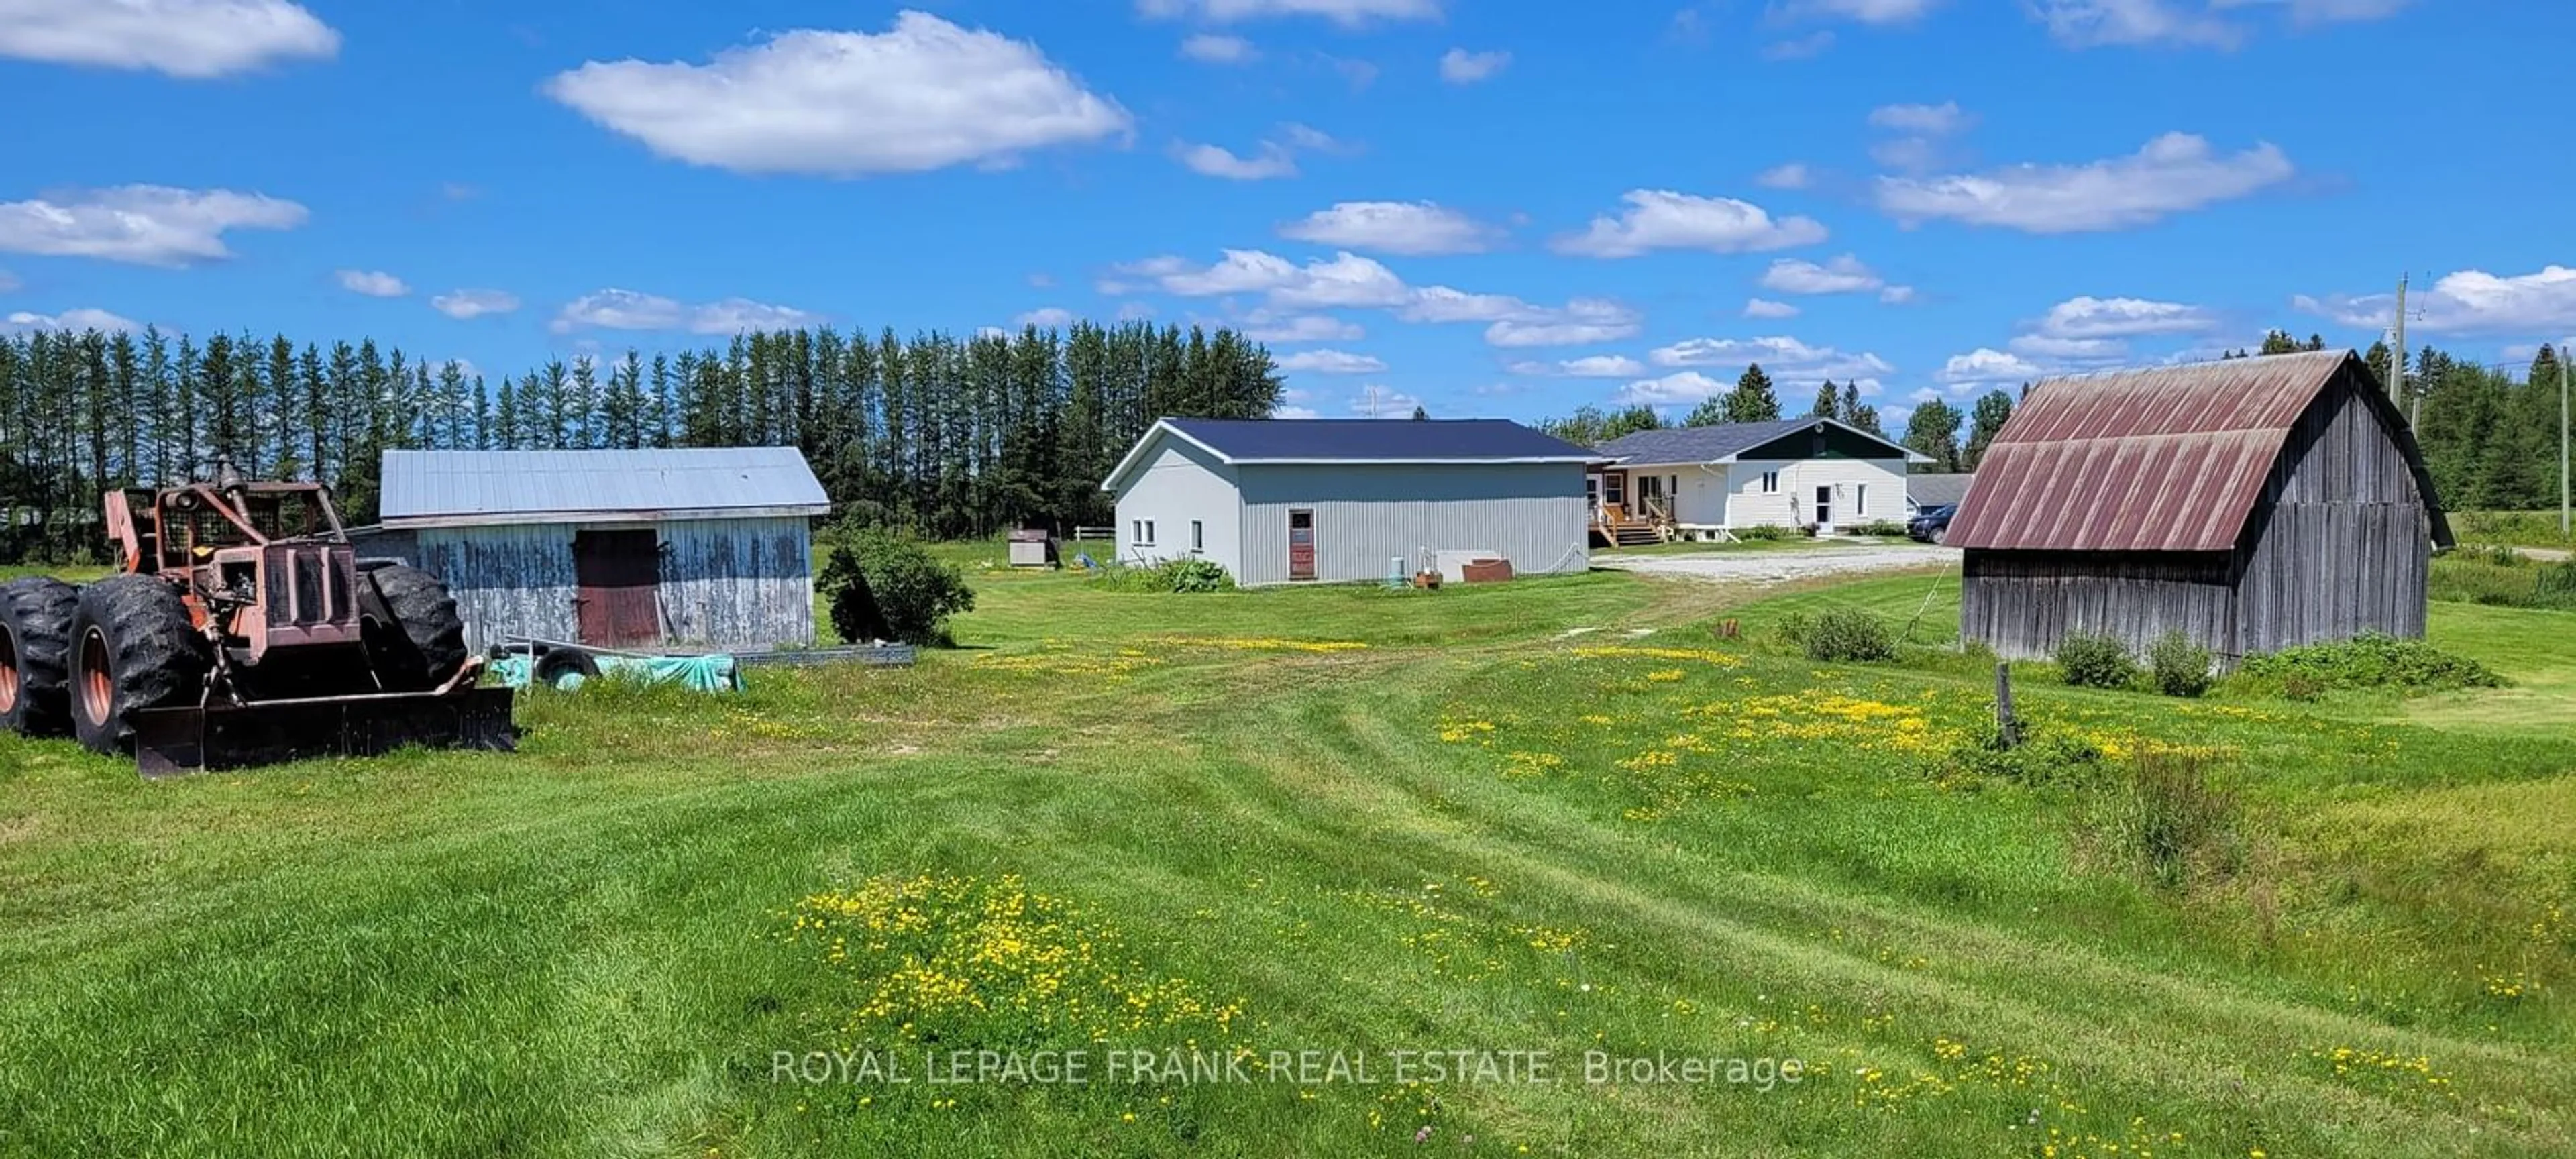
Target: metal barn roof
{"x":1723,"y":441}
{"x":450,"y":488}
{"x":2165,"y":459}
{"x":1357,"y":441}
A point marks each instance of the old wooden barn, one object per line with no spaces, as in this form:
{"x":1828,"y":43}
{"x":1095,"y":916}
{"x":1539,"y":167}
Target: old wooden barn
{"x":702,"y":547}
{"x":2252,"y":504}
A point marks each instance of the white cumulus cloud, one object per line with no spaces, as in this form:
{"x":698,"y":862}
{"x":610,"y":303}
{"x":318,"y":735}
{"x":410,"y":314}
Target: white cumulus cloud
{"x":191,"y":39}
{"x":1985,"y":367}
{"x":465,"y":305}
{"x":1461,"y":67}
{"x":2466,"y":301}
{"x":1395,"y":227}
{"x":614,"y":309}
{"x":1331,"y":362}
{"x":1681,"y":386}
{"x":1580,"y":322}
{"x":151,"y":225}
{"x":2174,"y":173}
{"x":2096,"y":23}
{"x":70,"y":321}
{"x":1273,"y":160}
{"x":1664,"y":220}
{"x":372,"y":283}
{"x":923,"y":95}
{"x":1841,"y":275}
{"x":2090,"y":317}
{"x":1045,"y":318}
{"x":1766,"y":308}
{"x":1787,"y":360}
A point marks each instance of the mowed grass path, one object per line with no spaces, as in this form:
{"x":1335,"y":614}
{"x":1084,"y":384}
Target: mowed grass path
{"x":1483,"y":830}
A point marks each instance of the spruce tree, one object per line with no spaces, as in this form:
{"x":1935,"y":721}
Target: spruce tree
{"x":1753,"y":400}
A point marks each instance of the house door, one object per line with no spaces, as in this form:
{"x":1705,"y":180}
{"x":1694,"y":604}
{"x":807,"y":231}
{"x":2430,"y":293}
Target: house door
{"x":1614,"y":494}
{"x":618,"y":574}
{"x":1824,"y":508}
{"x":1301,"y":545}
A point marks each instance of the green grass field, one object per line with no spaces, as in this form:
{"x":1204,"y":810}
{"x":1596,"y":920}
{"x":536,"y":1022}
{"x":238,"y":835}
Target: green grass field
{"x":1550,"y":816}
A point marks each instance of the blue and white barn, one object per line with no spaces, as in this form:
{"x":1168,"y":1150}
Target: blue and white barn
{"x":1336,"y":500}
{"x":697,"y":547}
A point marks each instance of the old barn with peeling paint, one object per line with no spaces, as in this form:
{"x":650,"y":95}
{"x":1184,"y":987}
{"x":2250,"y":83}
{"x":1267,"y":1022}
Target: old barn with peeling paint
{"x":702,"y":547}
{"x":2251,"y":504}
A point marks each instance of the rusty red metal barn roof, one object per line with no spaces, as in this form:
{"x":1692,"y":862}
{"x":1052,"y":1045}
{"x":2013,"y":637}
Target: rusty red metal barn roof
{"x":2163,"y":459}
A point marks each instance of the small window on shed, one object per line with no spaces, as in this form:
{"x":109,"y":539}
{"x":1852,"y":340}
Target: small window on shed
{"x":1198,"y":536}
{"x":1144,"y":533}
{"x":1860,"y":498}
{"x":1770,"y":482}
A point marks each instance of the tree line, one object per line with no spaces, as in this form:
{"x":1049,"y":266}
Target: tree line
{"x":934,"y":434}
{"x":2489,"y":435}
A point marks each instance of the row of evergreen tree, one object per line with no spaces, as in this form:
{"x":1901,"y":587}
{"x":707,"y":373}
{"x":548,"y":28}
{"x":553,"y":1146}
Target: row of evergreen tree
{"x":941,"y":435}
{"x":2489,"y":435}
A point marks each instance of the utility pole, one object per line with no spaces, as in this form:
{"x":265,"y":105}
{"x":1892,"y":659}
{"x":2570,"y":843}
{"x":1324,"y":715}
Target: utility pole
{"x":2397,"y":364}
{"x":2562,"y":444}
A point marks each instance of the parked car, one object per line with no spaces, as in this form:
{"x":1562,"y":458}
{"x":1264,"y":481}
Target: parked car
{"x":1931,"y":524}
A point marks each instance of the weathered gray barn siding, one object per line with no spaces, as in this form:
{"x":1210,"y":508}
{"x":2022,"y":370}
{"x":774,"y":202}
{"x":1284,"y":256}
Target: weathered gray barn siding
{"x":2338,"y":543}
{"x":2341,"y":541}
{"x":725,"y":583}
{"x":2021,"y":603}
{"x":1365,"y":514}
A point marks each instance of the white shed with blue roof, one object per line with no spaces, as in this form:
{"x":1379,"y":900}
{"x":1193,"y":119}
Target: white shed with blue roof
{"x":699,"y":547}
{"x":1339,"y":500}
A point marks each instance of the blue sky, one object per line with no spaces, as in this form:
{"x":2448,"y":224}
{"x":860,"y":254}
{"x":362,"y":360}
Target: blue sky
{"x":1495,"y":208}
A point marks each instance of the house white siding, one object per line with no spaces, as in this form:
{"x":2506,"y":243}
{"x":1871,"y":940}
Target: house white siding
{"x":1368,"y":514}
{"x":1178,"y":485}
{"x":1863,"y":491}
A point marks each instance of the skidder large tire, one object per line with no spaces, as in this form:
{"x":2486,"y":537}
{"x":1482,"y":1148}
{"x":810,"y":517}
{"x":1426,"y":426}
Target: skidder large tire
{"x":35,"y":655}
{"x":132,"y":649}
{"x":415,"y":636}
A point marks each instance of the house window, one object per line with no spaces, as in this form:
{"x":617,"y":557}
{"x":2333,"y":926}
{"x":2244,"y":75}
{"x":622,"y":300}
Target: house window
{"x":1770,"y":482}
{"x":1144,"y":534}
{"x":1860,"y":498}
{"x":1198,"y":536}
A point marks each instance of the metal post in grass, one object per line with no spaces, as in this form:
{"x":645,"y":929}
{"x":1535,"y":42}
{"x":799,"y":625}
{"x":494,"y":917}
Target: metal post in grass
{"x":2007,"y":727}
{"x":2562,"y":444}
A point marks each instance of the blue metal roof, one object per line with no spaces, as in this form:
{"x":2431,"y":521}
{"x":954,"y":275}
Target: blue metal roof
{"x":1376,"y":440}
{"x":451,"y":487}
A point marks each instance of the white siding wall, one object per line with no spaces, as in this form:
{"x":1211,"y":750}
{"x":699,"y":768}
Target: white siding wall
{"x":1529,"y":513}
{"x":1177,"y":484}
{"x":1795,"y":502}
{"x":725,"y":583}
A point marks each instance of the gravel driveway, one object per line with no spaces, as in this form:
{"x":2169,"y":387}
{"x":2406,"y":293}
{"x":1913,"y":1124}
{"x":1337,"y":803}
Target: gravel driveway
{"x":1778,"y":566}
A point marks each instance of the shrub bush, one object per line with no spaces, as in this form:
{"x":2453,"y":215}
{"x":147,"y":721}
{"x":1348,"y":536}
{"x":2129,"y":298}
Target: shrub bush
{"x":2181,"y":668}
{"x":880,"y":585}
{"x":1877,"y":527}
{"x":1847,"y":634}
{"x":1765,"y":531}
{"x":2372,"y":660}
{"x":2046,"y":756}
{"x":1184,"y":574}
{"x":2091,"y":661}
